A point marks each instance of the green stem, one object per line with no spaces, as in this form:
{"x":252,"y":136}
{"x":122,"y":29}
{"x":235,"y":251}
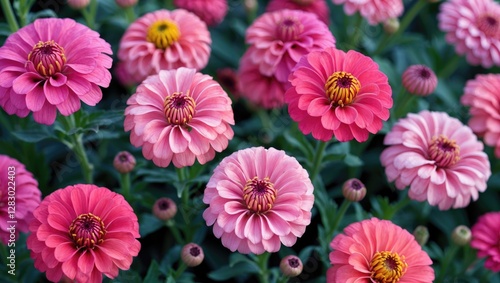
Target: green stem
{"x":338,"y":217}
{"x":450,"y":254}
{"x":75,"y":143}
{"x":130,"y":14}
{"x":403,"y":106}
{"x":182,"y":267}
{"x":397,"y":207}
{"x":262,"y":261}
{"x":449,"y":67}
{"x":24,"y":8}
{"x":356,"y":35}
{"x":89,"y":14}
{"x":175,"y":231}
{"x":125,"y":184}
{"x":169,"y":5}
{"x":9,"y":15}
{"x":318,"y":158}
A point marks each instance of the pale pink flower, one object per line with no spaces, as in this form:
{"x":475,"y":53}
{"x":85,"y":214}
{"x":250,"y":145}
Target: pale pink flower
{"x":179,"y":116}
{"x":318,"y":7}
{"x":374,"y":11}
{"x":486,"y":239}
{"x":82,"y":232}
{"x":212,"y":12}
{"x":338,"y":93}
{"x":164,"y":40}
{"x":438,"y":157}
{"x":375,"y":250}
{"x":473,"y":27}
{"x":52,"y":65}
{"x":258,"y":198}
{"x":419,"y":80}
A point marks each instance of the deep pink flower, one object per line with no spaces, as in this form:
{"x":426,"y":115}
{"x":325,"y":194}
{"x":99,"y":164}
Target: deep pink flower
{"x":82,"y":232}
{"x":258,"y":198}
{"x":51,"y":65}
{"x":164,"y":40}
{"x":318,"y":7}
{"x":473,"y":26}
{"x":438,"y":157}
{"x":486,"y":239}
{"x":179,"y":116}
{"x":419,"y":80}
{"x":19,"y":191}
{"x":338,"y":93}
{"x":377,"y":250}
{"x":212,"y":12}
{"x":374,"y":11}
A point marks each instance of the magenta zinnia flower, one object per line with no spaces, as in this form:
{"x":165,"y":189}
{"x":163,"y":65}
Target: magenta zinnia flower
{"x":377,"y":250}
{"x":438,"y":157}
{"x":17,"y":186}
{"x":212,"y":12}
{"x":486,"y":239}
{"x":318,"y":7}
{"x":338,"y":93}
{"x":82,"y":232}
{"x":179,"y":116}
{"x":258,"y":198}
{"x":49,"y":66}
{"x":473,"y":26}
{"x":374,"y":11}
{"x":163,"y":40}
{"x":419,"y":80}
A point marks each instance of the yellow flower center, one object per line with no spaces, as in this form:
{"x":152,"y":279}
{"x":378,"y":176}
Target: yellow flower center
{"x":163,"y":34}
{"x":342,"y":88}
{"x":179,"y":108}
{"x":47,"y":57}
{"x":387,"y":267}
{"x":87,"y":231}
{"x":444,"y":151}
{"x":259,"y":195}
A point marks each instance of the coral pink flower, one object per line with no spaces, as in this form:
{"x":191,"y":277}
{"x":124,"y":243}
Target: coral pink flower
{"x":163,"y":40}
{"x":179,"y":116}
{"x":318,"y":7}
{"x":483,"y":97}
{"x":374,"y":11}
{"x":486,"y":239}
{"x":338,"y":93}
{"x":82,"y":232}
{"x":258,"y":198}
{"x":419,"y":80}
{"x":279,"y":39}
{"x":377,"y":250}
{"x":212,"y":12}
{"x":473,"y":26}
{"x":51,"y":65}
{"x":438,"y":157}
{"x":17,"y":186}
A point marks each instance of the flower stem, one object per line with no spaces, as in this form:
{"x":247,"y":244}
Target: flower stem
{"x":182,"y":267}
{"x":450,"y":254}
{"x":356,"y":34}
{"x":403,"y":105}
{"x":125,"y":184}
{"x":449,"y":67}
{"x":397,"y":207}
{"x":338,"y":217}
{"x":175,"y":232}
{"x":89,"y":14}
{"x":316,"y":164}
{"x":9,"y":15}
{"x":130,"y":14}
{"x":262,"y":261}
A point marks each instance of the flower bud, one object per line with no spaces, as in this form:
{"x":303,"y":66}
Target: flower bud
{"x":124,"y":162}
{"x":192,"y":255}
{"x":354,"y":190}
{"x":391,"y":25}
{"x":126,"y":3}
{"x":291,"y":266}
{"x":164,"y":209}
{"x":78,"y":4}
{"x":461,"y":235}
{"x":250,"y":5}
{"x":419,"y":80}
{"x":421,"y":234}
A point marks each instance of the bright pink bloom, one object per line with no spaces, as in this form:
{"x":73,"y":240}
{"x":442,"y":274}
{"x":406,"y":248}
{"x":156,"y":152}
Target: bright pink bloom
{"x":82,"y":232}
{"x":211,"y":12}
{"x":51,"y":65}
{"x":338,"y":93}
{"x":18,"y":186}
{"x":438,"y":157}
{"x":486,"y":239}
{"x":179,"y":116}
{"x":318,"y":7}
{"x":483,"y":96}
{"x":473,"y":26}
{"x":374,"y":11}
{"x":419,"y":80}
{"x":373,"y":250}
{"x":164,"y":40}
{"x":258,"y":198}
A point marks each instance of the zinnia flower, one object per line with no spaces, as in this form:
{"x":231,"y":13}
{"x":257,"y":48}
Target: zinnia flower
{"x":163,"y":40}
{"x":486,"y":239}
{"x":419,"y":80}
{"x":19,"y":191}
{"x":483,"y":96}
{"x":258,"y":198}
{"x":179,"y":116}
{"x":473,"y":26}
{"x":438,"y":157}
{"x":318,"y":7}
{"x":377,"y":250}
{"x":82,"y":232}
{"x":338,"y":93}
{"x":212,"y":12}
{"x":374,"y":11}
{"x":51,"y":65}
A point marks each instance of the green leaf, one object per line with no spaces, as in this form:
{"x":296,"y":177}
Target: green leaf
{"x":228,"y":272}
{"x":153,"y":273}
{"x":149,"y":224}
{"x":34,"y":136}
{"x":353,"y":161}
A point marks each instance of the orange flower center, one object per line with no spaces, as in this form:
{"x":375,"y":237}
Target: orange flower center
{"x":163,"y":34}
{"x":387,"y":267}
{"x":444,"y":151}
{"x":259,"y":195}
{"x":289,"y":29}
{"x":489,"y":25}
{"x":47,"y":57}
{"x":342,"y":88}
{"x":179,"y":108}
{"x":87,"y":231}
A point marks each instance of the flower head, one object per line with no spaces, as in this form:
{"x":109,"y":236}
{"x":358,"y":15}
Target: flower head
{"x":82,"y":232}
{"x":192,"y":254}
{"x":377,"y":250}
{"x":419,"y":80}
{"x":179,"y":116}
{"x":374,"y":11}
{"x":52,"y":65}
{"x":461,"y":235}
{"x":78,"y":4}
{"x":211,"y":12}
{"x":124,"y":162}
{"x":258,"y":198}
{"x":318,"y":7}
{"x":164,"y":209}
{"x":338,"y":93}
{"x":485,"y":239}
{"x":353,"y":190}
{"x":438,"y":157}
{"x":291,"y":266}
{"x":126,"y":3}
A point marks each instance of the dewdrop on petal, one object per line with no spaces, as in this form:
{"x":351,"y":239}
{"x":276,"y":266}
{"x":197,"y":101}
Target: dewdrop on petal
{"x":164,"y":209}
{"x":291,"y":266}
{"x":192,"y":255}
{"x":421,"y":234}
{"x":461,"y":235}
{"x":354,"y":190}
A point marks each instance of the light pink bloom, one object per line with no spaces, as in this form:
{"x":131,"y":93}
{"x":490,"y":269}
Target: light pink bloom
{"x":258,"y":198}
{"x":419,"y":80}
{"x":473,"y":26}
{"x":51,"y":65}
{"x":338,"y":93}
{"x":374,"y":11}
{"x":373,"y":250}
{"x":318,"y":7}
{"x":211,"y":12}
{"x":19,"y":191}
{"x":486,"y":239}
{"x":179,"y":116}
{"x":82,"y":232}
{"x":438,"y":157}
{"x":164,"y":40}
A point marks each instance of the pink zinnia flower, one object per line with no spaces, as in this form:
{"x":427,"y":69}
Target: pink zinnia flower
{"x":258,"y":198}
{"x":486,"y":239}
{"x":374,"y":11}
{"x":377,"y":250}
{"x":163,"y":40}
{"x":179,"y":116}
{"x":419,"y":80}
{"x":438,"y":157}
{"x":211,"y":12}
{"x":473,"y":26}
{"x":338,"y":93}
{"x":483,"y":96}
{"x":318,"y":7}
{"x":51,"y":65}
{"x":82,"y":232}
{"x":17,"y":186}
